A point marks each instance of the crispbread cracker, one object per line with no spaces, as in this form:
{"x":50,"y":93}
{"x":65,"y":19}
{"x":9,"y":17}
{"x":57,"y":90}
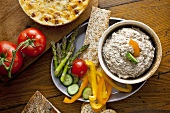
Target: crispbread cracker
{"x":39,"y":104}
{"x":109,"y":111}
{"x":86,"y":108}
{"x":53,"y":12}
{"x":98,"y":23}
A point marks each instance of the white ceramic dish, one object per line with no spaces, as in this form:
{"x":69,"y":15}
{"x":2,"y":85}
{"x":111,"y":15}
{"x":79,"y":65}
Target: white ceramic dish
{"x":154,"y":39}
{"x":116,"y":95}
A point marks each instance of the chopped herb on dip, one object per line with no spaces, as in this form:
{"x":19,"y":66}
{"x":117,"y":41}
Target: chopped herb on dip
{"x":131,"y":57}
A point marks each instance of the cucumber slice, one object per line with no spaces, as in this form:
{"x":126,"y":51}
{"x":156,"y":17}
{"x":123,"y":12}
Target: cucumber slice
{"x":73,"y":89}
{"x":75,"y":79}
{"x":68,"y":80}
{"x":131,"y":57}
{"x":87,"y":92}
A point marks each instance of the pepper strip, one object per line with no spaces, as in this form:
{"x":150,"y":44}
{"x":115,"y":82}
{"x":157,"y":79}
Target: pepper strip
{"x":99,"y":93}
{"x":93,"y":80}
{"x":135,"y":46}
{"x":98,"y":79}
{"x":76,"y":96}
{"x":89,"y":77}
{"x":104,"y":92}
{"x":96,"y":106}
{"x":128,"y":86}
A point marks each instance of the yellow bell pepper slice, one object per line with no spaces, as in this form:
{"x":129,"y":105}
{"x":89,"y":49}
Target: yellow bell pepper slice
{"x":109,"y":91}
{"x":128,"y":86}
{"x":89,"y":77}
{"x":93,"y":80}
{"x":99,"y":93}
{"x":96,"y":106}
{"x":104,"y":92}
{"x":78,"y":95}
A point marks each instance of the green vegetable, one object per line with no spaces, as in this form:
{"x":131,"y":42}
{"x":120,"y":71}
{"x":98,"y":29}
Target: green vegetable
{"x":87,"y":92}
{"x":54,"y":51}
{"x":59,"y":53}
{"x":70,"y":47}
{"x":84,"y":47}
{"x":68,"y":80}
{"x":66,"y":66}
{"x":75,"y":79}
{"x":64,"y":45}
{"x":63,"y":55}
{"x":63,"y":62}
{"x":73,"y":89}
{"x":131,"y":57}
{"x":71,"y":41}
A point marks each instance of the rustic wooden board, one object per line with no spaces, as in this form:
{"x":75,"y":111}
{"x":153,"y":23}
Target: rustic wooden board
{"x":13,"y":20}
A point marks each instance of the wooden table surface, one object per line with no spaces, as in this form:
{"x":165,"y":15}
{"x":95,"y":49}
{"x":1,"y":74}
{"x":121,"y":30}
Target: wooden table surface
{"x":153,"y":97}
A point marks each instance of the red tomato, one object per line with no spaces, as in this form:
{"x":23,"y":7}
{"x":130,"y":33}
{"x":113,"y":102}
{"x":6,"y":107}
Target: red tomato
{"x":6,"y":48}
{"x":79,"y":67}
{"x":39,"y":41}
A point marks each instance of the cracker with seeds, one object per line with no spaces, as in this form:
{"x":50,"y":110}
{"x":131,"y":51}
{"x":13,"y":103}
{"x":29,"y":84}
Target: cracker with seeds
{"x":98,"y":23}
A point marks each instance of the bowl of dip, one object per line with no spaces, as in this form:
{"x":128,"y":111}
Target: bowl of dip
{"x":129,"y":52}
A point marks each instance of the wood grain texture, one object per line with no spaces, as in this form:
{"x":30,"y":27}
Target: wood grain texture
{"x":153,"y":97}
{"x":13,"y":20}
{"x":154,"y":13}
{"x":111,"y":3}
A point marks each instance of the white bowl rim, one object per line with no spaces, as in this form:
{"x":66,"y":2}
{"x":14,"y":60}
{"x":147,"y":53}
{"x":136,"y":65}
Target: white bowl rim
{"x":108,"y":31}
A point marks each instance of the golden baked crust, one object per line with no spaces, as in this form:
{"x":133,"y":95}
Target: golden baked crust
{"x":53,"y":12}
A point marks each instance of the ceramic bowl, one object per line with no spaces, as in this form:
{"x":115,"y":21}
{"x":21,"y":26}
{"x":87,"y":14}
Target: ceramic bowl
{"x":155,"y":42}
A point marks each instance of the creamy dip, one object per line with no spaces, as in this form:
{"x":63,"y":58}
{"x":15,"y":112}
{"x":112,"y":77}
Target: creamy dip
{"x":116,"y":47}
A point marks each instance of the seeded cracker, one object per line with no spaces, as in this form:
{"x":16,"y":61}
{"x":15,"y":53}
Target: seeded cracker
{"x":86,"y":108}
{"x":98,"y":23}
{"x":39,"y":104}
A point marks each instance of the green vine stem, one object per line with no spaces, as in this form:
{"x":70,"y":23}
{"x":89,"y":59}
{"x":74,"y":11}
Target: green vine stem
{"x":26,"y":43}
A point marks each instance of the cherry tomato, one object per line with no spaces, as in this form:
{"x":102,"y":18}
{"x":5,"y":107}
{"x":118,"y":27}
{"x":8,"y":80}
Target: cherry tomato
{"x":6,"y":49}
{"x":79,"y":67}
{"x":39,"y":41}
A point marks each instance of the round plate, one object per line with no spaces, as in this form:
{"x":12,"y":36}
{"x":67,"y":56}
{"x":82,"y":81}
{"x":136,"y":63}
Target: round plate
{"x":116,"y":95}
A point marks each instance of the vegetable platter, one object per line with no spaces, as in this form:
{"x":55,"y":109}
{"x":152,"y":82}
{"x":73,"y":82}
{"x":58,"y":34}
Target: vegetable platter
{"x":115,"y":94}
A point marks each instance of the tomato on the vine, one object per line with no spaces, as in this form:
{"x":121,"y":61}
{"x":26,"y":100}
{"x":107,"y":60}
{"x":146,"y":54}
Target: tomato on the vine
{"x":6,"y":55}
{"x":38,"y":41}
{"x":79,"y":67}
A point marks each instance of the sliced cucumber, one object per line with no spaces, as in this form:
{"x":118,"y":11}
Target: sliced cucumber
{"x":68,"y":80}
{"x":73,"y":89}
{"x":75,"y":79}
{"x":87,"y":92}
{"x":131,"y":57}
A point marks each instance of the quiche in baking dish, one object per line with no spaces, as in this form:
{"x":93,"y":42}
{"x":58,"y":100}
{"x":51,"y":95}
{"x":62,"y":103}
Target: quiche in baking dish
{"x":53,"y":12}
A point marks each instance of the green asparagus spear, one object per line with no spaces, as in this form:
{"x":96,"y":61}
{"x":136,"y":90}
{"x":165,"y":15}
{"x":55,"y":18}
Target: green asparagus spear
{"x":59,"y":53}
{"x":64,"y":43}
{"x":64,"y":72}
{"x":63,"y":62}
{"x":73,"y":36}
{"x":84,"y":47}
{"x":54,"y":51}
{"x":66,"y":66}
{"x":70,"y":47}
{"x":65,"y":54}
